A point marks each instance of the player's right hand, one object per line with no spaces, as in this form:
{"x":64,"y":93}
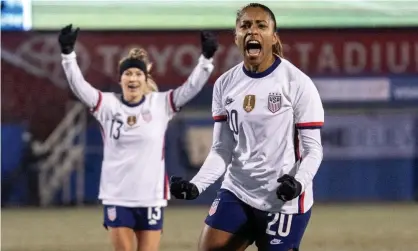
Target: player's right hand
{"x":183,"y":189}
{"x":67,"y":38}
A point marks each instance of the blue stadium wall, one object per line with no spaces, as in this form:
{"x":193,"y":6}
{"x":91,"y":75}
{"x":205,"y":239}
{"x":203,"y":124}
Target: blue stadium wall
{"x":386,"y":168}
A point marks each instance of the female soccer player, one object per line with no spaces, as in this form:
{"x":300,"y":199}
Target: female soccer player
{"x":133,"y":185}
{"x":262,"y":108}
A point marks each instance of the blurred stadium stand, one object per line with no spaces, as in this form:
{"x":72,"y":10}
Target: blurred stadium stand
{"x":366,"y":72}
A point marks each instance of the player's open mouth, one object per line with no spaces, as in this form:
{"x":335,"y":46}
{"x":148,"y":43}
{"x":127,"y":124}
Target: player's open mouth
{"x":133,"y":87}
{"x":253,"y":48}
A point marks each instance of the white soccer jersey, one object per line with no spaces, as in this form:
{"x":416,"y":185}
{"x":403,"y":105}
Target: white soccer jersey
{"x":133,"y":168}
{"x":264,"y":115}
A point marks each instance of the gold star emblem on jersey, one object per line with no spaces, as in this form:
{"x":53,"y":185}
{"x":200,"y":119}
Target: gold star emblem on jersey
{"x":131,"y":120}
{"x":249,"y":103}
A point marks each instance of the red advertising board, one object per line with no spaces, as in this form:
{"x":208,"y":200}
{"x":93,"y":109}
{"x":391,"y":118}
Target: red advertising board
{"x":326,"y":53}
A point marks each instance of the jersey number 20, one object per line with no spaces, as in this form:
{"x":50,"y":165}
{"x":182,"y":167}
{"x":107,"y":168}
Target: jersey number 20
{"x":233,"y":120}
{"x":283,"y":229}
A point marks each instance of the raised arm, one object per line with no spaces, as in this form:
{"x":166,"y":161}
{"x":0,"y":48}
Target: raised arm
{"x":200,"y":74}
{"x":86,"y":93}
{"x":79,"y":86}
{"x":194,"y":83}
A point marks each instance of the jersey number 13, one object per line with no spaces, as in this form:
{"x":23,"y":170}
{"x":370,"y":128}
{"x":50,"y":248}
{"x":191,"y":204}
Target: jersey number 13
{"x":115,"y":128}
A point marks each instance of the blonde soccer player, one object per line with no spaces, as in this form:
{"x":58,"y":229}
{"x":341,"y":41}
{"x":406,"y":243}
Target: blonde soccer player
{"x":268,"y":116}
{"x":133,"y":184}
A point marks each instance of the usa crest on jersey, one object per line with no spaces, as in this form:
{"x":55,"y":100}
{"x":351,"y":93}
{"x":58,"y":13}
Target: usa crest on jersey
{"x":131,"y":120}
{"x":214,"y":206}
{"x":146,"y":115}
{"x":274,"y":102}
{"x":111,"y":213}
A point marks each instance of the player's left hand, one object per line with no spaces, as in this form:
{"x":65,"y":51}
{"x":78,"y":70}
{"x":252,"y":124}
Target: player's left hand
{"x":67,"y":38}
{"x":289,"y":188}
{"x":209,"y":44}
{"x":183,"y":189}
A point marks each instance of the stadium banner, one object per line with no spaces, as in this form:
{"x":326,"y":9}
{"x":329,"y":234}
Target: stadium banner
{"x":319,"y":53}
{"x":404,"y":89}
{"x":347,"y":90}
{"x":372,"y":136}
{"x":344,"y":136}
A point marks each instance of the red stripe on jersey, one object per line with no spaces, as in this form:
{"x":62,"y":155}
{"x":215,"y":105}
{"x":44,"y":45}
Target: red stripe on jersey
{"x":309,"y":125}
{"x":99,"y":102}
{"x":166,"y":186}
{"x":301,"y":203}
{"x":171,"y":101}
{"x":220,"y":118}
{"x":296,"y":145}
{"x":163,"y":150}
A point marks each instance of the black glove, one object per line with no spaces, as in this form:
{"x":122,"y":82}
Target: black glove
{"x":67,"y":38}
{"x":289,"y":188}
{"x":182,"y":189}
{"x":209,"y":44}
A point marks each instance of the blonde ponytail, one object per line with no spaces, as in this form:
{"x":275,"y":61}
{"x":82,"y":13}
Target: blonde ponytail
{"x":152,"y":86}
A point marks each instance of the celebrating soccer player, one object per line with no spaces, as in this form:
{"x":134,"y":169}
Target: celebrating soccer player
{"x":133,"y":185}
{"x":268,"y":116}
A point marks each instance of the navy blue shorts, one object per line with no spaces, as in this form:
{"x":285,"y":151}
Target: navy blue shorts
{"x":140,"y":218}
{"x":269,"y":231}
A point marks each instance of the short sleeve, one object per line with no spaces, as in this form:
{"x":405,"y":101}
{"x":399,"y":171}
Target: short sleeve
{"x":218,"y":108}
{"x":307,"y":105}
